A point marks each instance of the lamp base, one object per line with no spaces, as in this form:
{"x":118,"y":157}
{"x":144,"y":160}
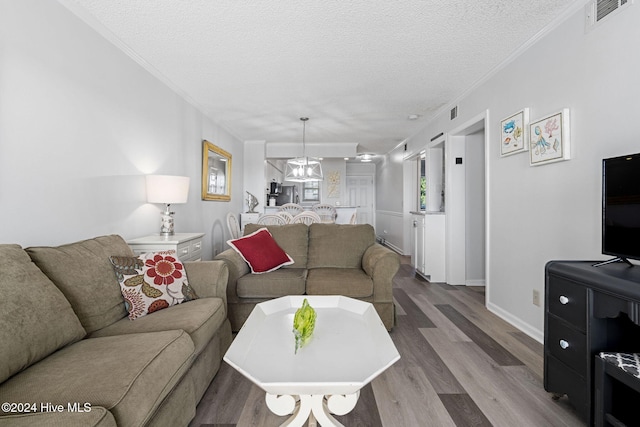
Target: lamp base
{"x":166,"y":223}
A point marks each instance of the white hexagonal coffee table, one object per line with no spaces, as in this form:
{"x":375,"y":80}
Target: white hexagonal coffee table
{"x":349,"y":348}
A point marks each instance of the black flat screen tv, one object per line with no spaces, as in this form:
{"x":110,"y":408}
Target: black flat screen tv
{"x":621,"y":207}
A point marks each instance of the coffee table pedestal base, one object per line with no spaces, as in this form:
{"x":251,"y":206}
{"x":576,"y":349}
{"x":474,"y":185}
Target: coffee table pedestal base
{"x":312,"y":407}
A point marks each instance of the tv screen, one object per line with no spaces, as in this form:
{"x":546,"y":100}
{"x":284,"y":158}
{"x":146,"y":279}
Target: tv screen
{"x":621,"y":207}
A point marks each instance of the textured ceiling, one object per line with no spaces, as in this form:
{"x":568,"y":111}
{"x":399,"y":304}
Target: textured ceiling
{"x":356,"y":68}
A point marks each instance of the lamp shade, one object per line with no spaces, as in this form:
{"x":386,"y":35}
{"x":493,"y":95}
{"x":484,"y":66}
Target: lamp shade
{"x":167,"y":189}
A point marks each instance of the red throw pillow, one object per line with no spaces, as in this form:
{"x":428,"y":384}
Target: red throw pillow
{"x":261,"y":251}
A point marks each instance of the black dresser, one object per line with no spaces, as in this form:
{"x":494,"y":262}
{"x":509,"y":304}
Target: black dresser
{"x":587,"y":310}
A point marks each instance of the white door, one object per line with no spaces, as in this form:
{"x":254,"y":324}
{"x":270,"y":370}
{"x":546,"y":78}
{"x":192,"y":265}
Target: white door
{"x":360,"y":190}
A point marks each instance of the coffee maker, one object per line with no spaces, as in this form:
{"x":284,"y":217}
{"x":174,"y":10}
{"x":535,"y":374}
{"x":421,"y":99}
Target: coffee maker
{"x":275,"y":189}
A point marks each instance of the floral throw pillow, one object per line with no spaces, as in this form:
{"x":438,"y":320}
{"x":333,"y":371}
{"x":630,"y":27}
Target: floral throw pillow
{"x":151,"y":282}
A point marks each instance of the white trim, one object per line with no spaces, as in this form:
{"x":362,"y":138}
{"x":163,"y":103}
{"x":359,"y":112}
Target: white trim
{"x":479,"y":121}
{"x":476,"y":282}
{"x":390,"y":213}
{"x":534,"y":333}
{"x":487,"y":206}
{"x":553,"y":24}
{"x":393,"y":248}
{"x":101,"y":29}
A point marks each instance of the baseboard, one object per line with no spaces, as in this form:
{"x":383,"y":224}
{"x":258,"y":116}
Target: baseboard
{"x":534,"y":333}
{"x":477,"y":282}
{"x":393,"y":247}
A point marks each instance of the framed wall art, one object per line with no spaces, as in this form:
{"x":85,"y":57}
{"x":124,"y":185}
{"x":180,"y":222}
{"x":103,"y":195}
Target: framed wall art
{"x":216,"y":173}
{"x":513,"y":133}
{"x":550,"y":139}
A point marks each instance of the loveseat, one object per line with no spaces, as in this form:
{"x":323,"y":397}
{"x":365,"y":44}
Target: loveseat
{"x":329,"y":259}
{"x":70,"y":355}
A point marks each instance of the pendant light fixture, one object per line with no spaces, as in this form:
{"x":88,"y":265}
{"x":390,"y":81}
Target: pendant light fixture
{"x":303,"y":169}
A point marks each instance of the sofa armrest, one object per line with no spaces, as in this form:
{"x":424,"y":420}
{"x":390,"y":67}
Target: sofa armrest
{"x":238,"y":267}
{"x":208,"y":278}
{"x":381,"y":264}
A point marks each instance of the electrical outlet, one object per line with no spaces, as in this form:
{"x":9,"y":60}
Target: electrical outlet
{"x":536,"y":297}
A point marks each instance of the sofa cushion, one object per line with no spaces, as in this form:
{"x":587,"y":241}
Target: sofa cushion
{"x":260,"y":251}
{"x":83,"y":273}
{"x":97,"y":417}
{"x":278,"y":283}
{"x":200,"y":319}
{"x":129,"y":375}
{"x":151,"y":282}
{"x":292,"y":238}
{"x":35,"y":316}
{"x":350,"y":282}
{"x":339,"y":245}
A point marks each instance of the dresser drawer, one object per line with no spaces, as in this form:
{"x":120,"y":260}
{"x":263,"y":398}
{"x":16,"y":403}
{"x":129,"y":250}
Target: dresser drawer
{"x":195,"y":249}
{"x":559,"y":379}
{"x":568,"y":301}
{"x":188,"y":246}
{"x":183,"y":250}
{"x":566,"y":344}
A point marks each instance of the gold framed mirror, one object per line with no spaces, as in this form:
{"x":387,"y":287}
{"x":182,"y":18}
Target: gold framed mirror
{"x":216,"y":173}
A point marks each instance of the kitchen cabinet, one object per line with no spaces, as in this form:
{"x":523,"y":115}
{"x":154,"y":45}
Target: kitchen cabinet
{"x":429,"y":245}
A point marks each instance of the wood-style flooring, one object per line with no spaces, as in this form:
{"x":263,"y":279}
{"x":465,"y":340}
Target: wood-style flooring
{"x":460,"y":366}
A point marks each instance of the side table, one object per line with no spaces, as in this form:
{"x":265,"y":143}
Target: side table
{"x":248,"y":218}
{"x":188,"y":246}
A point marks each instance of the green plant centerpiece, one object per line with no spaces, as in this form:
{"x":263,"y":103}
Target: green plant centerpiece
{"x":303,"y":323}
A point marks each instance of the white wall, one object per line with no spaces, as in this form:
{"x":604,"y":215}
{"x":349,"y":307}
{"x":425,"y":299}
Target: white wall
{"x":81,"y":124}
{"x":537,"y":214}
{"x":254,"y":169}
{"x":361,"y":168}
{"x":390,"y":204}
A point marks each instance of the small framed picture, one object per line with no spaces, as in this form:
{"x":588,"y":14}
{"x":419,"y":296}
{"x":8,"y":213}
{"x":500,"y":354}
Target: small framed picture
{"x":549,"y":139}
{"x":513,"y":133}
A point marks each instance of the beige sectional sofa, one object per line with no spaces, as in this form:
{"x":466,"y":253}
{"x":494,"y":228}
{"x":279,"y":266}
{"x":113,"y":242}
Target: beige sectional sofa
{"x":329,"y":259}
{"x":70,"y":356}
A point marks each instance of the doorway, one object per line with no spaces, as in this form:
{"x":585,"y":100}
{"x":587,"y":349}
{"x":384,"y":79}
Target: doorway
{"x":360,"y":190}
{"x":467,"y":204}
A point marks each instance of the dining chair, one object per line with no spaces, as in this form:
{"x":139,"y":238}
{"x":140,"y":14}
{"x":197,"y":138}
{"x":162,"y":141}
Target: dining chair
{"x":271,"y":219}
{"x":286,"y":215}
{"x":233,"y":225}
{"x":292,"y":208}
{"x":306,"y":217}
{"x":327,"y":212}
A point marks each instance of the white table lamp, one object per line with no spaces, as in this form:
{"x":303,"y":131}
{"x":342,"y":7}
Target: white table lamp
{"x":167,"y":189}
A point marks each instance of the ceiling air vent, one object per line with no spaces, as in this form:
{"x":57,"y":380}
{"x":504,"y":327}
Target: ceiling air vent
{"x":597,"y":10}
{"x":454,"y":112}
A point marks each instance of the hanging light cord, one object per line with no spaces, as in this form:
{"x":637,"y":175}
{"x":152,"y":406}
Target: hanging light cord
{"x":304,"y":132}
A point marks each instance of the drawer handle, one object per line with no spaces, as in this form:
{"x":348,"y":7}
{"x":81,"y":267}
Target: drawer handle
{"x":564,"y":344}
{"x":563,"y":300}
{"x":197,"y":245}
{"x":184,"y":251}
